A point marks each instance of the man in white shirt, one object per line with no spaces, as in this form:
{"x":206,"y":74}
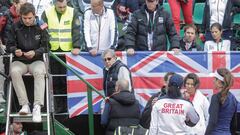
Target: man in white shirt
{"x":100,"y":29}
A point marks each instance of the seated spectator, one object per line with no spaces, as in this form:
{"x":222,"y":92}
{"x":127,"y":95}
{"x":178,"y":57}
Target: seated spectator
{"x":149,"y":28}
{"x":146,"y":114}
{"x":188,"y":42}
{"x":219,"y":11}
{"x":28,"y":42}
{"x":12,"y":16}
{"x":199,"y":101}
{"x":16,"y":128}
{"x":172,"y":114}
{"x":123,"y":109}
{"x":218,"y":43}
{"x":100,"y":29}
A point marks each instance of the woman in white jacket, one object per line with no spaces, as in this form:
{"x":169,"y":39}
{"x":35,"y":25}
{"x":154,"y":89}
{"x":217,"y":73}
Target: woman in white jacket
{"x":199,"y":101}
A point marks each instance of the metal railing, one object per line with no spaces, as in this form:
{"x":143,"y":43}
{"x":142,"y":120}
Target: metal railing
{"x":90,"y":88}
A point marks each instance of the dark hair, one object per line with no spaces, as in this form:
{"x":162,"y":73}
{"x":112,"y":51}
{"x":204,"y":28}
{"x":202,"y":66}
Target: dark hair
{"x":227,"y":83}
{"x":195,"y":79}
{"x":165,"y":78}
{"x":217,"y":25}
{"x":27,"y":8}
{"x":190,"y":26}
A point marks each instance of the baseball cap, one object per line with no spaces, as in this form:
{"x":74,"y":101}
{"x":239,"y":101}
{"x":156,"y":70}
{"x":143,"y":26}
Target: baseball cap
{"x":176,"y":80}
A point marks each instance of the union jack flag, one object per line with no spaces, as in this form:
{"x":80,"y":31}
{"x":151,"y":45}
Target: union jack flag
{"x":148,"y":69}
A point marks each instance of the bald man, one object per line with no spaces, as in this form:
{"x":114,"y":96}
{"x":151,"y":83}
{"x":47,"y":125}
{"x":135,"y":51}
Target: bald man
{"x":100,"y":29}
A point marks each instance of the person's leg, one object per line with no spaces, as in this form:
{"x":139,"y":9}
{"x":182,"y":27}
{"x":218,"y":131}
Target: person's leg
{"x":175,"y":10}
{"x":38,"y":70}
{"x":187,"y":11}
{"x":18,"y":69}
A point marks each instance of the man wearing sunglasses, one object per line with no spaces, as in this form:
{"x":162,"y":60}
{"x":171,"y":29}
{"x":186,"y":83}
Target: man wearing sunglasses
{"x":149,"y":28}
{"x":114,"y":70}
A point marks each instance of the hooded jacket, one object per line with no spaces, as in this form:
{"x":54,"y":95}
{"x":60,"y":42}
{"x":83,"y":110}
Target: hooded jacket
{"x":124,"y":111}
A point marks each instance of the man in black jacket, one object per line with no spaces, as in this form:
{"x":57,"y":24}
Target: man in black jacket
{"x":123,"y":109}
{"x":113,"y":71}
{"x":188,"y":42}
{"x":149,"y":28}
{"x":28,"y":43}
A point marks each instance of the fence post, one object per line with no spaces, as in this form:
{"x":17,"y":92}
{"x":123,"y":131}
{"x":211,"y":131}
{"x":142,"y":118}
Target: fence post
{"x":90,"y":112}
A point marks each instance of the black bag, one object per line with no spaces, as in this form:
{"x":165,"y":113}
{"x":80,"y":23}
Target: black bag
{"x":131,"y":130}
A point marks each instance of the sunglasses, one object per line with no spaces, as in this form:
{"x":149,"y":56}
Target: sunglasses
{"x":107,"y":59}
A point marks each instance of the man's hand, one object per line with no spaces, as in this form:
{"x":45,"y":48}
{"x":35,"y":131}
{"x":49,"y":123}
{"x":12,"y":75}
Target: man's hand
{"x":29,"y":54}
{"x":76,"y":51}
{"x":93,"y":52}
{"x":130,"y":51}
{"x":18,"y":53}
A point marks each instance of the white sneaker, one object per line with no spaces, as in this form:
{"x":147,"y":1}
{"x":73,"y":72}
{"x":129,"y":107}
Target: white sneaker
{"x":37,"y":118}
{"x":25,"y":110}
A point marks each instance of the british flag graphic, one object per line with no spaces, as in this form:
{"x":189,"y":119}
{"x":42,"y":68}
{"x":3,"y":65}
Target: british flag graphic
{"x":148,"y":69}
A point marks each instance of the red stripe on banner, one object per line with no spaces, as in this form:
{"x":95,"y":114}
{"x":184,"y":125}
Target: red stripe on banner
{"x":236,"y":70}
{"x":80,"y":66}
{"x":145,"y":96}
{"x":79,"y":86}
{"x":82,"y":109}
{"x":218,"y":60}
{"x":146,"y":61}
{"x":181,"y":63}
{"x":148,"y":82}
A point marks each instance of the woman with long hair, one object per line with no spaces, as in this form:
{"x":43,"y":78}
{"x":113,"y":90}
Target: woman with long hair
{"x":223,"y":104}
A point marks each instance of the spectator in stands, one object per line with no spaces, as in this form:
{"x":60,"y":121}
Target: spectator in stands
{"x":199,"y":101}
{"x":223,"y":104}
{"x":114,"y":70}
{"x":100,"y":29}
{"x":28,"y":42}
{"x":148,"y":30}
{"x":66,"y":35}
{"x":128,"y":5}
{"x":10,"y":16}
{"x":123,"y":108}
{"x":16,"y":128}
{"x":146,"y":114}
{"x":176,"y":6}
{"x":171,"y":114}
{"x":219,"y":11}
{"x":41,"y":5}
{"x":64,"y":27}
{"x":218,"y":43}
{"x":188,"y":43}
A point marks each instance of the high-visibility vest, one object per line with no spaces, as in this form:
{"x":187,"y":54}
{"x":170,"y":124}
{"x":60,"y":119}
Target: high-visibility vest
{"x":60,"y":32}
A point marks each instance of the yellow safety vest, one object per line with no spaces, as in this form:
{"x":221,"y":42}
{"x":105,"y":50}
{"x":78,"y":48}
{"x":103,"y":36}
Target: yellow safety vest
{"x":60,"y":32}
